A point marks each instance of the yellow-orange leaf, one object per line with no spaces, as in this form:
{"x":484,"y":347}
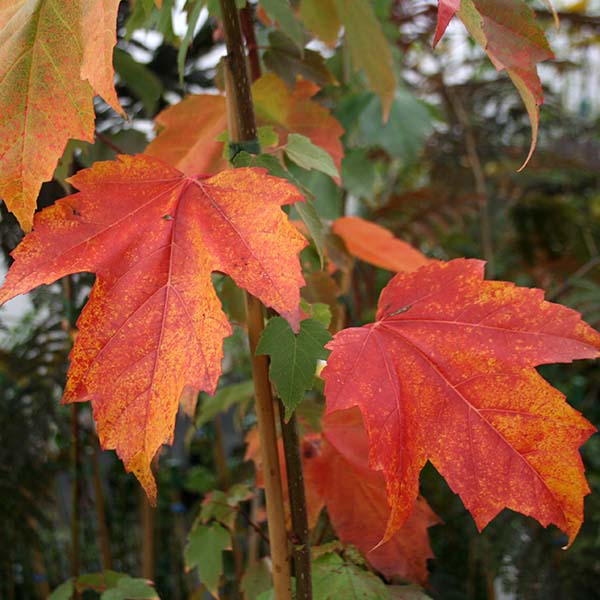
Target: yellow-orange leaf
{"x":447,"y":375}
{"x":153,"y":324}
{"x":377,"y":245}
{"x":53,"y":55}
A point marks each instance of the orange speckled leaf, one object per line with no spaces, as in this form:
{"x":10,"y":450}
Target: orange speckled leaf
{"x":98,"y":21}
{"x":187,"y":130}
{"x":509,"y":34}
{"x":356,"y":500}
{"x":153,"y":324}
{"x":446,"y":374}
{"x":45,"y":95}
{"x":377,"y":245}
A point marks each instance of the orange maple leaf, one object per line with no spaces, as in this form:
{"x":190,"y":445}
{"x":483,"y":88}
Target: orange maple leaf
{"x":446,"y":374}
{"x":153,"y":324}
{"x":337,"y":470}
{"x":377,"y":245}
{"x":514,"y":42}
{"x":53,"y":55}
{"x":198,"y":119}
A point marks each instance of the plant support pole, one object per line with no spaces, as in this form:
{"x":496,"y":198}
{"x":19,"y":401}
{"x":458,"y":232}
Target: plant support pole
{"x":242,"y":133}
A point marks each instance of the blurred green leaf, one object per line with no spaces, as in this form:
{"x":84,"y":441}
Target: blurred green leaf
{"x":203,"y":551}
{"x":305,"y":154}
{"x":142,"y":82}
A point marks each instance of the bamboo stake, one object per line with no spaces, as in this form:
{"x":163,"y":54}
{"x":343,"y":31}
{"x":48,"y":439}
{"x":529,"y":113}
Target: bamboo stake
{"x":242,"y":128}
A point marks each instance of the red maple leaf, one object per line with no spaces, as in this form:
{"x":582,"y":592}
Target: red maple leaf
{"x":337,"y":475}
{"x":446,"y":374}
{"x":509,"y":34}
{"x":153,"y":324}
{"x":355,"y":495}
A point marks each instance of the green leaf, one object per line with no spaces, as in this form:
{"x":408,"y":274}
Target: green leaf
{"x":326,"y":194}
{"x":310,"y":217}
{"x":285,"y":59}
{"x":200,"y":480}
{"x":281,"y":11}
{"x":224,"y":399}
{"x":128,"y":588}
{"x":223,"y":506}
{"x":63,"y":592}
{"x":256,"y":580}
{"x":369,"y":48}
{"x":293,"y":357}
{"x":267,"y":136}
{"x":140,"y":17}
{"x":318,"y":311}
{"x":333,"y":578}
{"x":358,"y":173}
{"x":405,"y":133}
{"x":141,"y":82}
{"x":204,"y":552}
{"x":308,"y":156}
{"x":193,"y":17}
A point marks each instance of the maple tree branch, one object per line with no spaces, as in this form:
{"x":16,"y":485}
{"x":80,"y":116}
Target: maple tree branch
{"x":300,"y":531}
{"x":247,"y":22}
{"x":236,"y":56}
{"x":242,"y":128}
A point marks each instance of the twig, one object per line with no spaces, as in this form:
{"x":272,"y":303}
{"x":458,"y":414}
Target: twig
{"x":300,"y":531}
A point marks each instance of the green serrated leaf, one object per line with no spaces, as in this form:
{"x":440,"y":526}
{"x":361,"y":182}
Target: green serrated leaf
{"x":293,"y":357}
{"x":304,"y":153}
{"x":333,"y":578}
{"x":203,"y":551}
{"x":193,"y":17}
{"x":281,"y":12}
{"x":224,"y":399}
